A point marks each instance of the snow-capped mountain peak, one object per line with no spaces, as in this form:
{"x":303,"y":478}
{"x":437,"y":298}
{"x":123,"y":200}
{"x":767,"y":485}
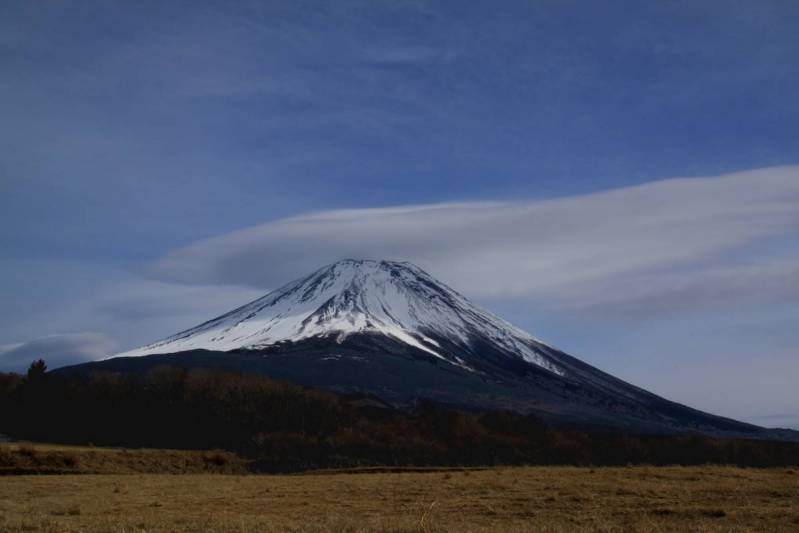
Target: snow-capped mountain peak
{"x":395,"y":299}
{"x":392,"y":331}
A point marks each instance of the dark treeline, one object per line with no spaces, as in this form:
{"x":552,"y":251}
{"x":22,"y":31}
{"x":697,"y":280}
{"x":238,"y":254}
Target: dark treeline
{"x":284,"y":427}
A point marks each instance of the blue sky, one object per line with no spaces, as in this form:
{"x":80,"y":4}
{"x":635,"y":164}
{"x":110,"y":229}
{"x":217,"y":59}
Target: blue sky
{"x":165,"y":161}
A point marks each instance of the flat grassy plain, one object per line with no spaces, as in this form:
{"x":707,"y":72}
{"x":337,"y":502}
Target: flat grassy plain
{"x":57,"y":488}
{"x":557,"y":499}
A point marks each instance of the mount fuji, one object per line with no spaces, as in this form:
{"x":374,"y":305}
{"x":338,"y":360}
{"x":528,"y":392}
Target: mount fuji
{"x":390,"y":330}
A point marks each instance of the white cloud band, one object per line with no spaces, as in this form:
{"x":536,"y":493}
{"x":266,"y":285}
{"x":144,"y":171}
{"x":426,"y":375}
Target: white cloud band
{"x":669,"y":233}
{"x":56,"y":350}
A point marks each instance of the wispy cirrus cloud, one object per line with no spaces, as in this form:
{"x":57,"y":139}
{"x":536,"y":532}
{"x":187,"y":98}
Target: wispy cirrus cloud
{"x":140,"y":299}
{"x":56,"y":350}
{"x":659,"y":246}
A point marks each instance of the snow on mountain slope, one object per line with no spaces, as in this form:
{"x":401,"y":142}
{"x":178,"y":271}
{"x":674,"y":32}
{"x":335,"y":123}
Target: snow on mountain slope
{"x":398,"y":300}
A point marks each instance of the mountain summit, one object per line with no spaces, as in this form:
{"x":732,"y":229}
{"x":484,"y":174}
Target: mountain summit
{"x":391,"y":330}
{"x":397,"y":300}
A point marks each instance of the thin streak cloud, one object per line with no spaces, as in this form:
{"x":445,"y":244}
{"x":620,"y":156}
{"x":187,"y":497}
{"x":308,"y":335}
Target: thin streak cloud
{"x":635,"y":245}
{"x":57,"y":350}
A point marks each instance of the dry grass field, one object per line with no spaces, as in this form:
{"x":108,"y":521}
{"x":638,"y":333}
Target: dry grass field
{"x":499,"y":499}
{"x":38,"y":458}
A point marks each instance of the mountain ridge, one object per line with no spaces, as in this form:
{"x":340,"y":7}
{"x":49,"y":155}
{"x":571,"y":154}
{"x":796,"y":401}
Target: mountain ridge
{"x":391,"y":330}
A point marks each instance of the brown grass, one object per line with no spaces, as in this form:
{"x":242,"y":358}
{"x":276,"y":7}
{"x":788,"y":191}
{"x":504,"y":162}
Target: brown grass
{"x":557,"y":499}
{"x":29,"y":458}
